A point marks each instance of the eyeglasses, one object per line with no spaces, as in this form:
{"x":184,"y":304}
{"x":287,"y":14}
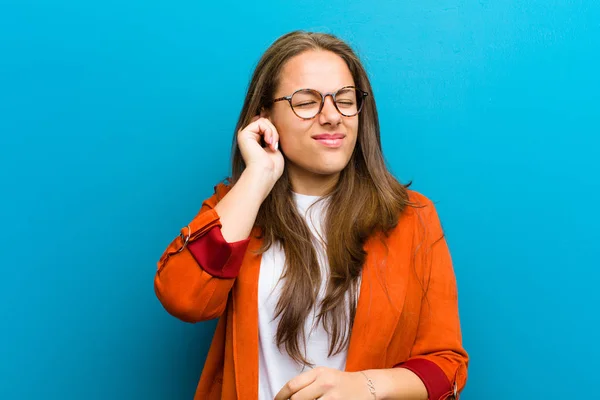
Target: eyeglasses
{"x":308,"y":103}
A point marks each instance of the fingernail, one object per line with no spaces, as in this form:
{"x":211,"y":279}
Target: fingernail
{"x":276,"y":146}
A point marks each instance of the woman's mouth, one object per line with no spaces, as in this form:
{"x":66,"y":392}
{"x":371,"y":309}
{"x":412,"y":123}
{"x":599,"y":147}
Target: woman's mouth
{"x":330,"y":140}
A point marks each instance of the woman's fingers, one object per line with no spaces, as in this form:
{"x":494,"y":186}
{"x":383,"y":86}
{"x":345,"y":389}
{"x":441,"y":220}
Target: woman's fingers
{"x":265,"y":128}
{"x":273,"y":135}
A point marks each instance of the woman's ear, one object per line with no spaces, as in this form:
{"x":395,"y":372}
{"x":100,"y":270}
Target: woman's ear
{"x":264,"y":113}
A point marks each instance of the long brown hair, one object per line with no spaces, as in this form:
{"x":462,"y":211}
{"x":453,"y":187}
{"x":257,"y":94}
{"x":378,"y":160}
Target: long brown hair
{"x":367,"y":200}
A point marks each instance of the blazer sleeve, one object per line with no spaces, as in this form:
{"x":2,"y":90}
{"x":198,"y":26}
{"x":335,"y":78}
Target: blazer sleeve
{"x":198,"y":269}
{"x":437,"y":355}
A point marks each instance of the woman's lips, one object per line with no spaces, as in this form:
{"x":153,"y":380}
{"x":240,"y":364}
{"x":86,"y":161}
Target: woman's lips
{"x":330,"y":140}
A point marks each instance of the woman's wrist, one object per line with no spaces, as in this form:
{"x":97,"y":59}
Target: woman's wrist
{"x":370,"y":386}
{"x":259,"y":179}
{"x":395,"y":384}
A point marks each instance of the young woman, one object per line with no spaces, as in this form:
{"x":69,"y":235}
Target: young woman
{"x":330,"y":279}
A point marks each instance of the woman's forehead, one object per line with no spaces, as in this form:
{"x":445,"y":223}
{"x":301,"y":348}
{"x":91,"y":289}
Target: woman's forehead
{"x":321,"y":70}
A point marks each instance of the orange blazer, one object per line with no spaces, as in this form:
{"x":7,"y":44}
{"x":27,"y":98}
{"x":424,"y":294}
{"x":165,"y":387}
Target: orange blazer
{"x":407,"y":311}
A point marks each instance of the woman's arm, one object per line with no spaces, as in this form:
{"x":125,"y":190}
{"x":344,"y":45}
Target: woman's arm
{"x":238,"y":209}
{"x":198,"y":269}
{"x":438,"y":357}
{"x":196,"y":273}
{"x":397,"y":384}
{"x":380,"y":384}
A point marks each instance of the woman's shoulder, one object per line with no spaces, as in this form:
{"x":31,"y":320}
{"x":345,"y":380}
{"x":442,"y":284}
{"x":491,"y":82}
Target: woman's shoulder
{"x":417,"y":205}
{"x":419,"y":218}
{"x":219,"y":191}
{"x":417,"y":197}
{"x":419,"y":214}
{"x":222,"y":188}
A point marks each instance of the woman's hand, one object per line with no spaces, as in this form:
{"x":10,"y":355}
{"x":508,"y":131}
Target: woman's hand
{"x":326,"y":384}
{"x":264,"y":165}
{"x":264,"y":160}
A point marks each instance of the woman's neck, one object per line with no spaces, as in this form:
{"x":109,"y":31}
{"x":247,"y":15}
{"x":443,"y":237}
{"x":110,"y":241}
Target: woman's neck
{"x":311,"y":184}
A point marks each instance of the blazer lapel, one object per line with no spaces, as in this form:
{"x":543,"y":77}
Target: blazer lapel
{"x":245,"y":322}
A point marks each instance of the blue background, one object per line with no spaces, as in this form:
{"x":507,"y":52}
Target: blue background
{"x":116,"y":120}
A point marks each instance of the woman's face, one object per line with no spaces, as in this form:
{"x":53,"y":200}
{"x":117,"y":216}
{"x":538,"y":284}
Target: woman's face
{"x":318,"y":149}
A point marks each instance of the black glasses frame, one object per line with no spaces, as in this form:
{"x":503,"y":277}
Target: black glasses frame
{"x":323,"y":96}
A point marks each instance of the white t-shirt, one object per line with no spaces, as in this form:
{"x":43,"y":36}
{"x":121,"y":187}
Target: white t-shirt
{"x":276,"y":367}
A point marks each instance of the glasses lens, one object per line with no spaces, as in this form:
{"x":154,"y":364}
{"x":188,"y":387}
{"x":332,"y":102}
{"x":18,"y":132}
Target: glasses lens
{"x":306,"y":103}
{"x":349,"y":101}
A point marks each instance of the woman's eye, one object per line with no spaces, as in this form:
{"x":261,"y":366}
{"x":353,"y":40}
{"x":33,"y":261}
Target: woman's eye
{"x":305,"y":104}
